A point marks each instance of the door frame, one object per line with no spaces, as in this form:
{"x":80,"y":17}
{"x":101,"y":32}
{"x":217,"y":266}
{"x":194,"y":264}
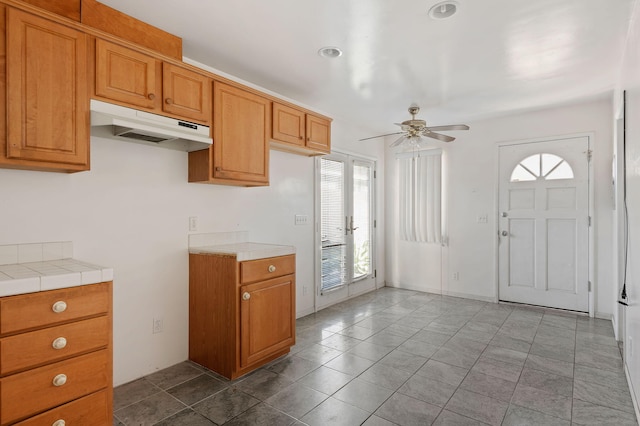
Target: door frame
{"x":591,"y":184}
{"x":317,"y":237}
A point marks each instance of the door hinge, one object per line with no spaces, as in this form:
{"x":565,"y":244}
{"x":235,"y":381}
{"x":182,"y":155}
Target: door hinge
{"x":375,"y":223}
{"x":589,"y":220}
{"x":589,"y":286}
{"x":589,"y":154}
{"x":374,"y":174}
{"x":375,"y":273}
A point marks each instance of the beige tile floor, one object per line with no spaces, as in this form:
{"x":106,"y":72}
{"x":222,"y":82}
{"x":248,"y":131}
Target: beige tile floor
{"x":398,"y":357}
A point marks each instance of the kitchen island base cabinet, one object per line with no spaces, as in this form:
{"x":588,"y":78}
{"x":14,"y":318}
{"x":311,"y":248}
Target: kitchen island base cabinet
{"x":241,"y":314}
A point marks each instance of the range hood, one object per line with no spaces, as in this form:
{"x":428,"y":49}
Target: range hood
{"x":127,"y":124}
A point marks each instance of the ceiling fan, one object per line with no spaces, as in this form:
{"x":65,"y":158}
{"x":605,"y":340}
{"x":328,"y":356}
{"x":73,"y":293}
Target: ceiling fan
{"x":415,"y":132}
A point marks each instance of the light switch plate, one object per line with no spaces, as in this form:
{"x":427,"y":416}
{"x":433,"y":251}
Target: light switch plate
{"x":301,"y":219}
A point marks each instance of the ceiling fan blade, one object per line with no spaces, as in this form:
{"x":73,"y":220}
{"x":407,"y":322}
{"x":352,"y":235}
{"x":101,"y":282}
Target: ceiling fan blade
{"x":380,"y":136}
{"x":440,"y":137}
{"x":450,"y":127}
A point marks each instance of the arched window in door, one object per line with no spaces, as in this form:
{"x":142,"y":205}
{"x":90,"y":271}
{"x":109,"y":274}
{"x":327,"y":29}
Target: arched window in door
{"x":543,"y":167}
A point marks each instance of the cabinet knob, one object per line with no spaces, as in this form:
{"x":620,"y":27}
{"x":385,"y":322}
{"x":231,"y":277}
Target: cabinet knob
{"x":218,"y":169}
{"x":246,"y":296}
{"x":59,"y":343}
{"x":60,"y":380}
{"x":151,"y":96}
{"x":272,"y":268}
{"x":59,"y":423}
{"x":169,"y":101}
{"x":300,"y":137}
{"x":59,"y":307}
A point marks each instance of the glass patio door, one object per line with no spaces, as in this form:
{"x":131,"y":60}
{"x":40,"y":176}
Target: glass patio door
{"x":346,"y":221}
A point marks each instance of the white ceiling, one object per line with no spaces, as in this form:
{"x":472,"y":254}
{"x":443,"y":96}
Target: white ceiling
{"x":493,"y":57}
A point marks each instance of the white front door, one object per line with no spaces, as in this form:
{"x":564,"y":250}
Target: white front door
{"x":544,"y":223}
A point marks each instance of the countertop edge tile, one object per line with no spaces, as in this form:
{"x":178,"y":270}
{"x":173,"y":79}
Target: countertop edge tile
{"x":19,"y":286}
{"x":246,"y":251}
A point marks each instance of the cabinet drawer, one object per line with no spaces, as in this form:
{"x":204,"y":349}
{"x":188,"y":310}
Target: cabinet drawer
{"x":34,"y":391}
{"x":90,"y":410}
{"x":34,"y":310}
{"x":51,"y":344}
{"x":264,"y":269}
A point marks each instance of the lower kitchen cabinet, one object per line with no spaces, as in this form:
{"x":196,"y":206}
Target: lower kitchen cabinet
{"x":56,"y":357}
{"x":241,"y":314}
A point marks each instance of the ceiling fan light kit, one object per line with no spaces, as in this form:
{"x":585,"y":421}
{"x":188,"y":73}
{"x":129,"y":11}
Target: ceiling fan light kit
{"x":415,"y":133}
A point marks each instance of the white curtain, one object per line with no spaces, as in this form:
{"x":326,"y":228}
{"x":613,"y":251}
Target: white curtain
{"x":420,"y":179}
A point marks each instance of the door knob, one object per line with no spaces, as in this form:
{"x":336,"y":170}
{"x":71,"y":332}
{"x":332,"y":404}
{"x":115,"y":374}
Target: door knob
{"x":246,"y":296}
{"x":505,"y":233}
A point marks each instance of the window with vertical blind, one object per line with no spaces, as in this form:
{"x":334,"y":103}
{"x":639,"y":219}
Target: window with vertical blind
{"x":420,"y":182}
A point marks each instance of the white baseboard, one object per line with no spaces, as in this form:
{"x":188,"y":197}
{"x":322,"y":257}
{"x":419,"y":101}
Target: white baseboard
{"x":605,"y":316}
{"x":304,"y":313}
{"x":469,"y":296}
{"x":634,"y":398}
{"x":434,"y":290}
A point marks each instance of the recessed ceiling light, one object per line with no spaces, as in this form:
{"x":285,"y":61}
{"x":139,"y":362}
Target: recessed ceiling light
{"x":330,"y":52}
{"x":443,"y":10}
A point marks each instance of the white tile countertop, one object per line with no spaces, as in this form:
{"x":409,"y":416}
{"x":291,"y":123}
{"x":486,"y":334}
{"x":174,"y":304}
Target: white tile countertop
{"x":232,"y":244}
{"x":29,"y":268}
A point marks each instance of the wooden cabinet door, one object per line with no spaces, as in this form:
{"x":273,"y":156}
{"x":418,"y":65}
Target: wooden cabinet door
{"x":47,"y":96}
{"x":127,"y":76}
{"x":288,"y":124}
{"x":267,"y":318}
{"x":318,"y":133}
{"x":241,"y":128}
{"x":186,"y":93}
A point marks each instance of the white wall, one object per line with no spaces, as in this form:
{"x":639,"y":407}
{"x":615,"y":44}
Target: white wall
{"x":131,"y":212}
{"x":470,"y":188}
{"x":630,"y":81}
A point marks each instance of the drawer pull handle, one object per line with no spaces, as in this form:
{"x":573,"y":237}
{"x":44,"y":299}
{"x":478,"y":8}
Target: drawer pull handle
{"x":60,"y":380}
{"x":59,"y":307}
{"x":59,"y":343}
{"x":246,"y":296}
{"x":272,"y":268}
{"x":59,"y":423}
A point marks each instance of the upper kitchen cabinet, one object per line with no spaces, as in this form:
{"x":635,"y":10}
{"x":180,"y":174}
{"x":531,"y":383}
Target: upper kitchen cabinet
{"x":241,"y":129}
{"x":46,"y":121}
{"x":132,"y":78}
{"x":297,"y":131}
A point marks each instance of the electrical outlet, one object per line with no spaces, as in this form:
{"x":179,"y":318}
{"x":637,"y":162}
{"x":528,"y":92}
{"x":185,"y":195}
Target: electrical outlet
{"x":456,"y":276}
{"x":483,"y":218}
{"x":304,"y":290}
{"x":301,"y":219}
{"x":158,"y":325}
{"x":193,"y":223}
